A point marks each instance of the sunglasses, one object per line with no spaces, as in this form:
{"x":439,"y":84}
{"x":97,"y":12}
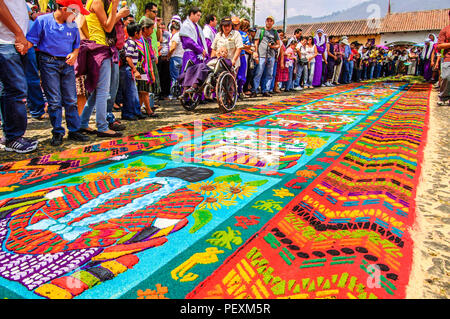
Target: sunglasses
{"x":155,"y":11}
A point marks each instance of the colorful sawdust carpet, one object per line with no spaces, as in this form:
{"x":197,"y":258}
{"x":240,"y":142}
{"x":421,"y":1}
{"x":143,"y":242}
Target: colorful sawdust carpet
{"x":310,"y":197}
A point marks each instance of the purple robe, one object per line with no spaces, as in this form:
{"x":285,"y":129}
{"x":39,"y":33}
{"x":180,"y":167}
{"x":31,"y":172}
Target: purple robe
{"x":209,"y":41}
{"x":427,"y":69}
{"x":317,"y":81}
{"x":196,"y":47}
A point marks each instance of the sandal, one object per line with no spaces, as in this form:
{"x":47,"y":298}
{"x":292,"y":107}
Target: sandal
{"x":42,"y":117}
{"x":86,"y":131}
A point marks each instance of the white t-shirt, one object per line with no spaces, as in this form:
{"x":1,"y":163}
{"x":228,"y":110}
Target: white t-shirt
{"x":179,"y":52}
{"x":302,"y":50}
{"x":310,"y":51}
{"x":19,"y":11}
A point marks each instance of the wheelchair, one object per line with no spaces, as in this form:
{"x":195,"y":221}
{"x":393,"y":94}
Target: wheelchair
{"x":220,"y":84}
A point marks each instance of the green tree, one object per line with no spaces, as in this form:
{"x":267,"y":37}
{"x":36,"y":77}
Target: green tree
{"x":222,"y":9}
{"x":168,"y":8}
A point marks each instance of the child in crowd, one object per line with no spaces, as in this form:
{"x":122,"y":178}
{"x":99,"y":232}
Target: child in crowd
{"x":145,"y":75}
{"x":131,"y":110}
{"x":290,"y":63}
{"x":58,"y":40}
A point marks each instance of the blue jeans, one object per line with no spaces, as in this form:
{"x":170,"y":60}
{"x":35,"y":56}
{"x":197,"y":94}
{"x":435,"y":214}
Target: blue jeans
{"x":288,"y":85}
{"x":345,"y":72}
{"x":377,"y":72}
{"x":351,"y":66}
{"x":265,"y":66}
{"x":14,"y":98}
{"x":175,"y":68}
{"x":36,"y":99}
{"x":115,"y":75}
{"x":131,"y":107}
{"x":371,"y":71}
{"x":309,"y":77}
{"x":301,"y":69}
{"x":98,"y":99}
{"x":274,"y":75}
{"x":58,"y":80}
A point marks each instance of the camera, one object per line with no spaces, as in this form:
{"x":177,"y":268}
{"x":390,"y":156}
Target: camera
{"x":272,"y":43}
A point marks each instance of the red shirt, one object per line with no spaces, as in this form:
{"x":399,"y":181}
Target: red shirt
{"x":444,"y":37}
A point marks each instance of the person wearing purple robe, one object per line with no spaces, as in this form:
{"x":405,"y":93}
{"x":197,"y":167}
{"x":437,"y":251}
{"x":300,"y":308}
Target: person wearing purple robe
{"x":210,"y":31}
{"x":192,"y":39}
{"x":426,"y":56}
{"x":320,"y":40}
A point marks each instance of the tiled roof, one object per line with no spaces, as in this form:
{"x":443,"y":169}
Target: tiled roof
{"x":415,"y":21}
{"x":431,"y":20}
{"x":337,"y":28}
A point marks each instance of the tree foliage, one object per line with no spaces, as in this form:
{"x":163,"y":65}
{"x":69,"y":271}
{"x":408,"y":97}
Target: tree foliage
{"x":222,"y":9}
{"x":219,"y":8}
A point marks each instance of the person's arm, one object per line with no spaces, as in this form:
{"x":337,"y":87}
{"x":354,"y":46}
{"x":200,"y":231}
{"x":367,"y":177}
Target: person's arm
{"x":8,"y":20}
{"x":107,"y":22}
{"x":442,"y":44}
{"x":134,"y":71}
{"x":173,"y":47}
{"x":82,"y":26}
{"x":159,"y":34}
{"x":256,"y":54}
{"x":34,"y":34}
{"x":282,"y":55}
{"x":237,"y":55}
{"x":315,"y":52}
{"x":433,"y":58}
{"x":329,"y":53}
{"x":72,"y":57}
{"x":190,"y":44}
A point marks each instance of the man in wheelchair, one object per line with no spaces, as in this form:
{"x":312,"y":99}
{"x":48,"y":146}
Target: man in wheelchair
{"x":204,"y":74}
{"x":217,"y":75}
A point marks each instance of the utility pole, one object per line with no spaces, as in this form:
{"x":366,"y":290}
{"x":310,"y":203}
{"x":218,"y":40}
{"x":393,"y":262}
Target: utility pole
{"x":254,"y":12}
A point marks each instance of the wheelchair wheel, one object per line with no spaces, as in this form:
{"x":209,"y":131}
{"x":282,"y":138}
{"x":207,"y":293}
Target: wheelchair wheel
{"x":191,"y":102}
{"x":175,"y":90}
{"x":226,"y":92}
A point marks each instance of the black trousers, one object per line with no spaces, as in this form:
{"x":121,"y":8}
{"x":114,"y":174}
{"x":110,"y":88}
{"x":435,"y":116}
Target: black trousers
{"x":164,"y":76}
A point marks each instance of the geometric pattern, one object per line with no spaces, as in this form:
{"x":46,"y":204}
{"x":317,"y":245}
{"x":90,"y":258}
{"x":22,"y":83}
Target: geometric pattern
{"x":321,"y":208}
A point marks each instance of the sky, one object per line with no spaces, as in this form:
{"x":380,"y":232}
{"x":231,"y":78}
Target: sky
{"x":314,"y":8}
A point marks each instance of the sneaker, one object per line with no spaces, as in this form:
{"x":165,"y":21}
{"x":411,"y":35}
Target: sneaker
{"x":116,"y":126}
{"x":21,"y":145}
{"x":78,"y":137}
{"x":443,"y":103}
{"x":298,"y":88}
{"x":57,"y":139}
{"x":141,"y":116}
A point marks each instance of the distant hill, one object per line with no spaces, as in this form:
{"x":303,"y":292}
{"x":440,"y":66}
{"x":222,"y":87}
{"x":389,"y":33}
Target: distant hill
{"x":359,"y":11}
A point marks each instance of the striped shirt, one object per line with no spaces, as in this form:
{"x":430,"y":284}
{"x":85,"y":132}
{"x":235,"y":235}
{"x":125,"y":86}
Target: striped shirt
{"x":131,"y":51}
{"x":245,"y":40}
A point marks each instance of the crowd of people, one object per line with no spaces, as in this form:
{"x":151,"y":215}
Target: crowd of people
{"x":80,"y":56}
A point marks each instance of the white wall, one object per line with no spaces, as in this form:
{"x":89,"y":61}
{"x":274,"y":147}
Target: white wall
{"x":416,"y":37}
